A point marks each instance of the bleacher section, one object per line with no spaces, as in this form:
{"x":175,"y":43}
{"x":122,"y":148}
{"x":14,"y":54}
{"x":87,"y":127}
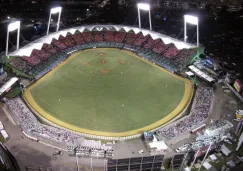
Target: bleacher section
{"x":20,"y":64}
{"x":58,"y":44}
{"x":140,"y":40}
{"x":109,"y":36}
{"x":130,"y":38}
{"x":33,"y":60}
{"x":98,"y":37}
{"x":160,"y":47}
{"x":87,"y":36}
{"x":42,"y":55}
{"x":171,"y":52}
{"x":42,"y":61}
{"x":119,"y":37}
{"x":49,"y":48}
{"x":78,"y":38}
{"x":68,"y":41}
{"x":150,"y":43}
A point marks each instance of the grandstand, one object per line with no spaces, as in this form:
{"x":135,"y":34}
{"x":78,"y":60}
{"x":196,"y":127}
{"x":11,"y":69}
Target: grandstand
{"x":198,"y":115}
{"x":43,"y":55}
{"x":167,"y":52}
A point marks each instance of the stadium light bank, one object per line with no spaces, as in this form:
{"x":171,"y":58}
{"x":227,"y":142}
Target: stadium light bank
{"x":191,"y":20}
{"x":12,"y":27}
{"x":145,"y":7}
{"x":54,"y":11}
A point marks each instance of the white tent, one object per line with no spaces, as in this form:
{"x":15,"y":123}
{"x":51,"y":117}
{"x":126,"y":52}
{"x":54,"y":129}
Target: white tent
{"x":4,"y":134}
{"x":159,"y":145}
{"x":189,"y":73}
{"x":225,"y":150}
{"x":1,"y":125}
{"x":207,"y":165}
{"x":8,"y":84}
{"x":213,"y":157}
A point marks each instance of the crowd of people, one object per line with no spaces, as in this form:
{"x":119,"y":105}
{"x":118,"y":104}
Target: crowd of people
{"x":32,"y":127}
{"x":199,"y":113}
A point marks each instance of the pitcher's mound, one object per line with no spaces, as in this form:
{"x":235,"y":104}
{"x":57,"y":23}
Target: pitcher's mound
{"x":121,"y":62}
{"x":105,"y":71}
{"x":102,"y":61}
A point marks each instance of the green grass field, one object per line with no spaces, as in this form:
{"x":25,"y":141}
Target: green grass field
{"x":108,"y":90}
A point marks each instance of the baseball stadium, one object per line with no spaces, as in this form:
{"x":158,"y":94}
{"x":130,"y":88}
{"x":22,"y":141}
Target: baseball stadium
{"x":106,"y":80}
{"x":116,"y":97}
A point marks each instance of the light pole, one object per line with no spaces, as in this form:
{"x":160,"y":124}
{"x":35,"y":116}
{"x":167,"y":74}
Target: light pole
{"x":191,"y":20}
{"x":209,"y":148}
{"x":77,"y":162}
{"x":145,"y":7}
{"x":91,"y":164}
{"x":195,"y":158}
{"x":12,"y":27}
{"x":54,"y":11}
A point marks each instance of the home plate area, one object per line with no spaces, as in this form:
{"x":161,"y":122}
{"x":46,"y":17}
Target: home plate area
{"x":104,"y":64}
{"x":121,"y":62}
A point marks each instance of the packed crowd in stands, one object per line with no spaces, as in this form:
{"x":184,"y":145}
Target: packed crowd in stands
{"x":199,"y":113}
{"x":31,"y":126}
{"x":156,"y":51}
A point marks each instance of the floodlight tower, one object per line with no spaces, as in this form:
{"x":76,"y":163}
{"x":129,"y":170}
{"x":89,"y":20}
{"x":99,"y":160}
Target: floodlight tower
{"x":191,"y":20}
{"x":12,"y":27}
{"x":145,"y":7}
{"x":54,"y":11}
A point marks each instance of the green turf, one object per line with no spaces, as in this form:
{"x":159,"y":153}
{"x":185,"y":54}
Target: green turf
{"x":14,"y":92}
{"x":129,"y":96}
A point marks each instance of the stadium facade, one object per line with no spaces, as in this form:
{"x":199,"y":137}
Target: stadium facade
{"x":37,"y":44}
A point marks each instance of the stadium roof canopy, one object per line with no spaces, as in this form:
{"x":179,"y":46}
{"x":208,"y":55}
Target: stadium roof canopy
{"x":8,"y":84}
{"x":37,"y":44}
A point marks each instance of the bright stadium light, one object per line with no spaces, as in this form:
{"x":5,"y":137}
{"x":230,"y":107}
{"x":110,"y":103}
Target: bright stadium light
{"x":145,"y":7}
{"x":191,"y":20}
{"x":12,"y":27}
{"x":54,"y":11}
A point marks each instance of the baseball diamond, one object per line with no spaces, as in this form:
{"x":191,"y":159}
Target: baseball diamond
{"x":109,"y":92}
